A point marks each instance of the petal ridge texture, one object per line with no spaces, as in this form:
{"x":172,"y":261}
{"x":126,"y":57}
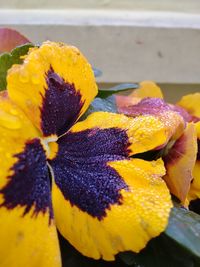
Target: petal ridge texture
{"x":54,"y":80}
{"x":104,"y":201}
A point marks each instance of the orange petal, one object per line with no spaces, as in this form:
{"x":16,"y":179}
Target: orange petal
{"x":147,"y":89}
{"x":179,"y":163}
{"x":194,"y":192}
{"x":191,"y":103}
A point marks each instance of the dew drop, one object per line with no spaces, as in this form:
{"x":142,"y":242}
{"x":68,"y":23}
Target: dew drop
{"x":8,"y":155}
{"x":9,"y":121}
{"x":74,"y":60}
{"x":29,"y":102}
{"x":35,"y":79}
{"x":24,"y":77}
{"x":13,"y":111}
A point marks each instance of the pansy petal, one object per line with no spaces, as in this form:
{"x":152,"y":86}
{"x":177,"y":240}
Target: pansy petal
{"x":179,"y":163}
{"x":174,"y":123}
{"x":123,"y":101}
{"x":194,"y":192}
{"x":27,"y":233}
{"x":54,"y":86}
{"x":143,"y":133}
{"x":191,"y":104}
{"x":15,"y":130}
{"x":104,"y":202}
{"x":183,"y":113}
{"x":147,"y":89}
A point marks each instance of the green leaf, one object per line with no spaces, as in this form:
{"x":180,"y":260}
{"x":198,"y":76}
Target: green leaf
{"x":8,"y":59}
{"x":99,"y":104}
{"x":104,"y":93}
{"x":184,"y":228}
{"x":97,"y":72}
{"x":179,"y":245}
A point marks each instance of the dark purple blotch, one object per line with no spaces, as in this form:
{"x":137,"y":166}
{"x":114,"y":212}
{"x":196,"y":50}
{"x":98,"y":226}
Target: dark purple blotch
{"x":198,"y":149}
{"x":61,"y":105}
{"x":81,"y":170}
{"x":29,"y":186}
{"x":195,"y":205}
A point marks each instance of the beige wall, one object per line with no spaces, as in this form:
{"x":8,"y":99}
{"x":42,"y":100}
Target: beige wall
{"x":130,"y":40}
{"x":166,"y":5}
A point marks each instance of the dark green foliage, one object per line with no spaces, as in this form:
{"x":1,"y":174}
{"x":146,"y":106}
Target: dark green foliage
{"x":8,"y":59}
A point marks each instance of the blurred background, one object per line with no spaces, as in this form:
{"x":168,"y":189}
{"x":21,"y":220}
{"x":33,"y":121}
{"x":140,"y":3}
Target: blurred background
{"x":129,"y":40}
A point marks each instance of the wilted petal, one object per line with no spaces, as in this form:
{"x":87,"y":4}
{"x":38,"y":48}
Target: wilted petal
{"x":54,"y":86}
{"x":105,"y":202}
{"x":194,"y":192}
{"x":179,"y":163}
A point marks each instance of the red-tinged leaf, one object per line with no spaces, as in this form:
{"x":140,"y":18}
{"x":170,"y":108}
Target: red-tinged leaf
{"x":10,"y":38}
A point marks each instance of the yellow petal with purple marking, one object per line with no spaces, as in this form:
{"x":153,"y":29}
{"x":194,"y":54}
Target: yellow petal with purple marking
{"x":179,"y":163}
{"x":27,"y":231}
{"x":173,"y":122}
{"x":144,"y":132}
{"x":54,"y":86}
{"x":105,"y":202}
{"x":15,"y":130}
{"x":141,"y":214}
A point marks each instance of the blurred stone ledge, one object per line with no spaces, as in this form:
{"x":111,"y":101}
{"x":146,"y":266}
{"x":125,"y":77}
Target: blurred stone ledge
{"x":128,"y":45}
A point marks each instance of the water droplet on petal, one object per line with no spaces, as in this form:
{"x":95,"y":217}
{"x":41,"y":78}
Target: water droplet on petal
{"x":24,"y":77}
{"x":9,"y":121}
{"x":8,"y":155}
{"x":74,"y":59}
{"x":29,"y":102}
{"x":13,"y":111}
{"x":35,"y":79}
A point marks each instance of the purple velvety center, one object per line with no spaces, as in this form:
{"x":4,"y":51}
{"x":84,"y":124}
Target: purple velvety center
{"x":198,"y":147}
{"x":155,"y":106}
{"x":29,"y":186}
{"x":81,"y":170}
{"x":61,"y":105}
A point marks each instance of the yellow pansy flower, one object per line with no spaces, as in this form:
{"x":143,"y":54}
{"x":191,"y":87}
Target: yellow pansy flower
{"x":76,"y":176}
